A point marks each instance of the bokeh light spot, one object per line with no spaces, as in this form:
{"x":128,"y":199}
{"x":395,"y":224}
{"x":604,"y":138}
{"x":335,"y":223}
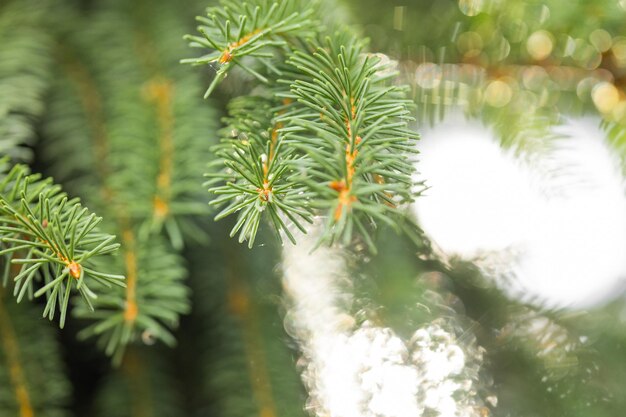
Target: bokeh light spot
{"x":471,"y":7}
{"x":601,"y":40}
{"x":540,"y":45}
{"x":498,"y":93}
{"x":605,"y":96}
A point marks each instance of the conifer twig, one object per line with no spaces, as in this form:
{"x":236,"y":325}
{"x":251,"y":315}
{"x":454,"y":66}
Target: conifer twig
{"x":51,"y":238}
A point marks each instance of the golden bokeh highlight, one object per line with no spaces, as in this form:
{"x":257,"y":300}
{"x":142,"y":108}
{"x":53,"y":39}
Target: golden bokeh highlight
{"x":605,"y":96}
{"x":498,"y":93}
{"x":539,"y":45}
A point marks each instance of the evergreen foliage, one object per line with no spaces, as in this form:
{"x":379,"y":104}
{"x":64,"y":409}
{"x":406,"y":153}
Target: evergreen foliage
{"x":313,"y":126}
{"x":141,"y":386}
{"x":53,"y":239}
{"x":32,"y":376}
{"x":353,"y":130}
{"x":256,"y":29}
{"x":143,"y":132}
{"x":46,"y":236}
{"x":338,"y":138}
{"x":24,"y":74}
{"x":247,"y":366}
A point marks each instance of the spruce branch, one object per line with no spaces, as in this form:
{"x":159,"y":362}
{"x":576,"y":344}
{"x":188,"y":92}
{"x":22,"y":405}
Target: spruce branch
{"x":333,"y":135}
{"x":149,"y":306}
{"x":248,"y":29}
{"x":155,"y":185}
{"x":49,"y":237}
{"x":354,"y":130}
{"x":142,"y":132}
{"x":254,"y":172}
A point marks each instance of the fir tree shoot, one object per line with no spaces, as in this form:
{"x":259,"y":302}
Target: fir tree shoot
{"x":248,"y":29}
{"x":354,"y":131}
{"x":325,"y":132}
{"x":51,"y":239}
{"x":257,"y":172}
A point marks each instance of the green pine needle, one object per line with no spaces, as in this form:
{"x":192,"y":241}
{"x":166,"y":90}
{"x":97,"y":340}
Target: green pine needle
{"x":51,"y":240}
